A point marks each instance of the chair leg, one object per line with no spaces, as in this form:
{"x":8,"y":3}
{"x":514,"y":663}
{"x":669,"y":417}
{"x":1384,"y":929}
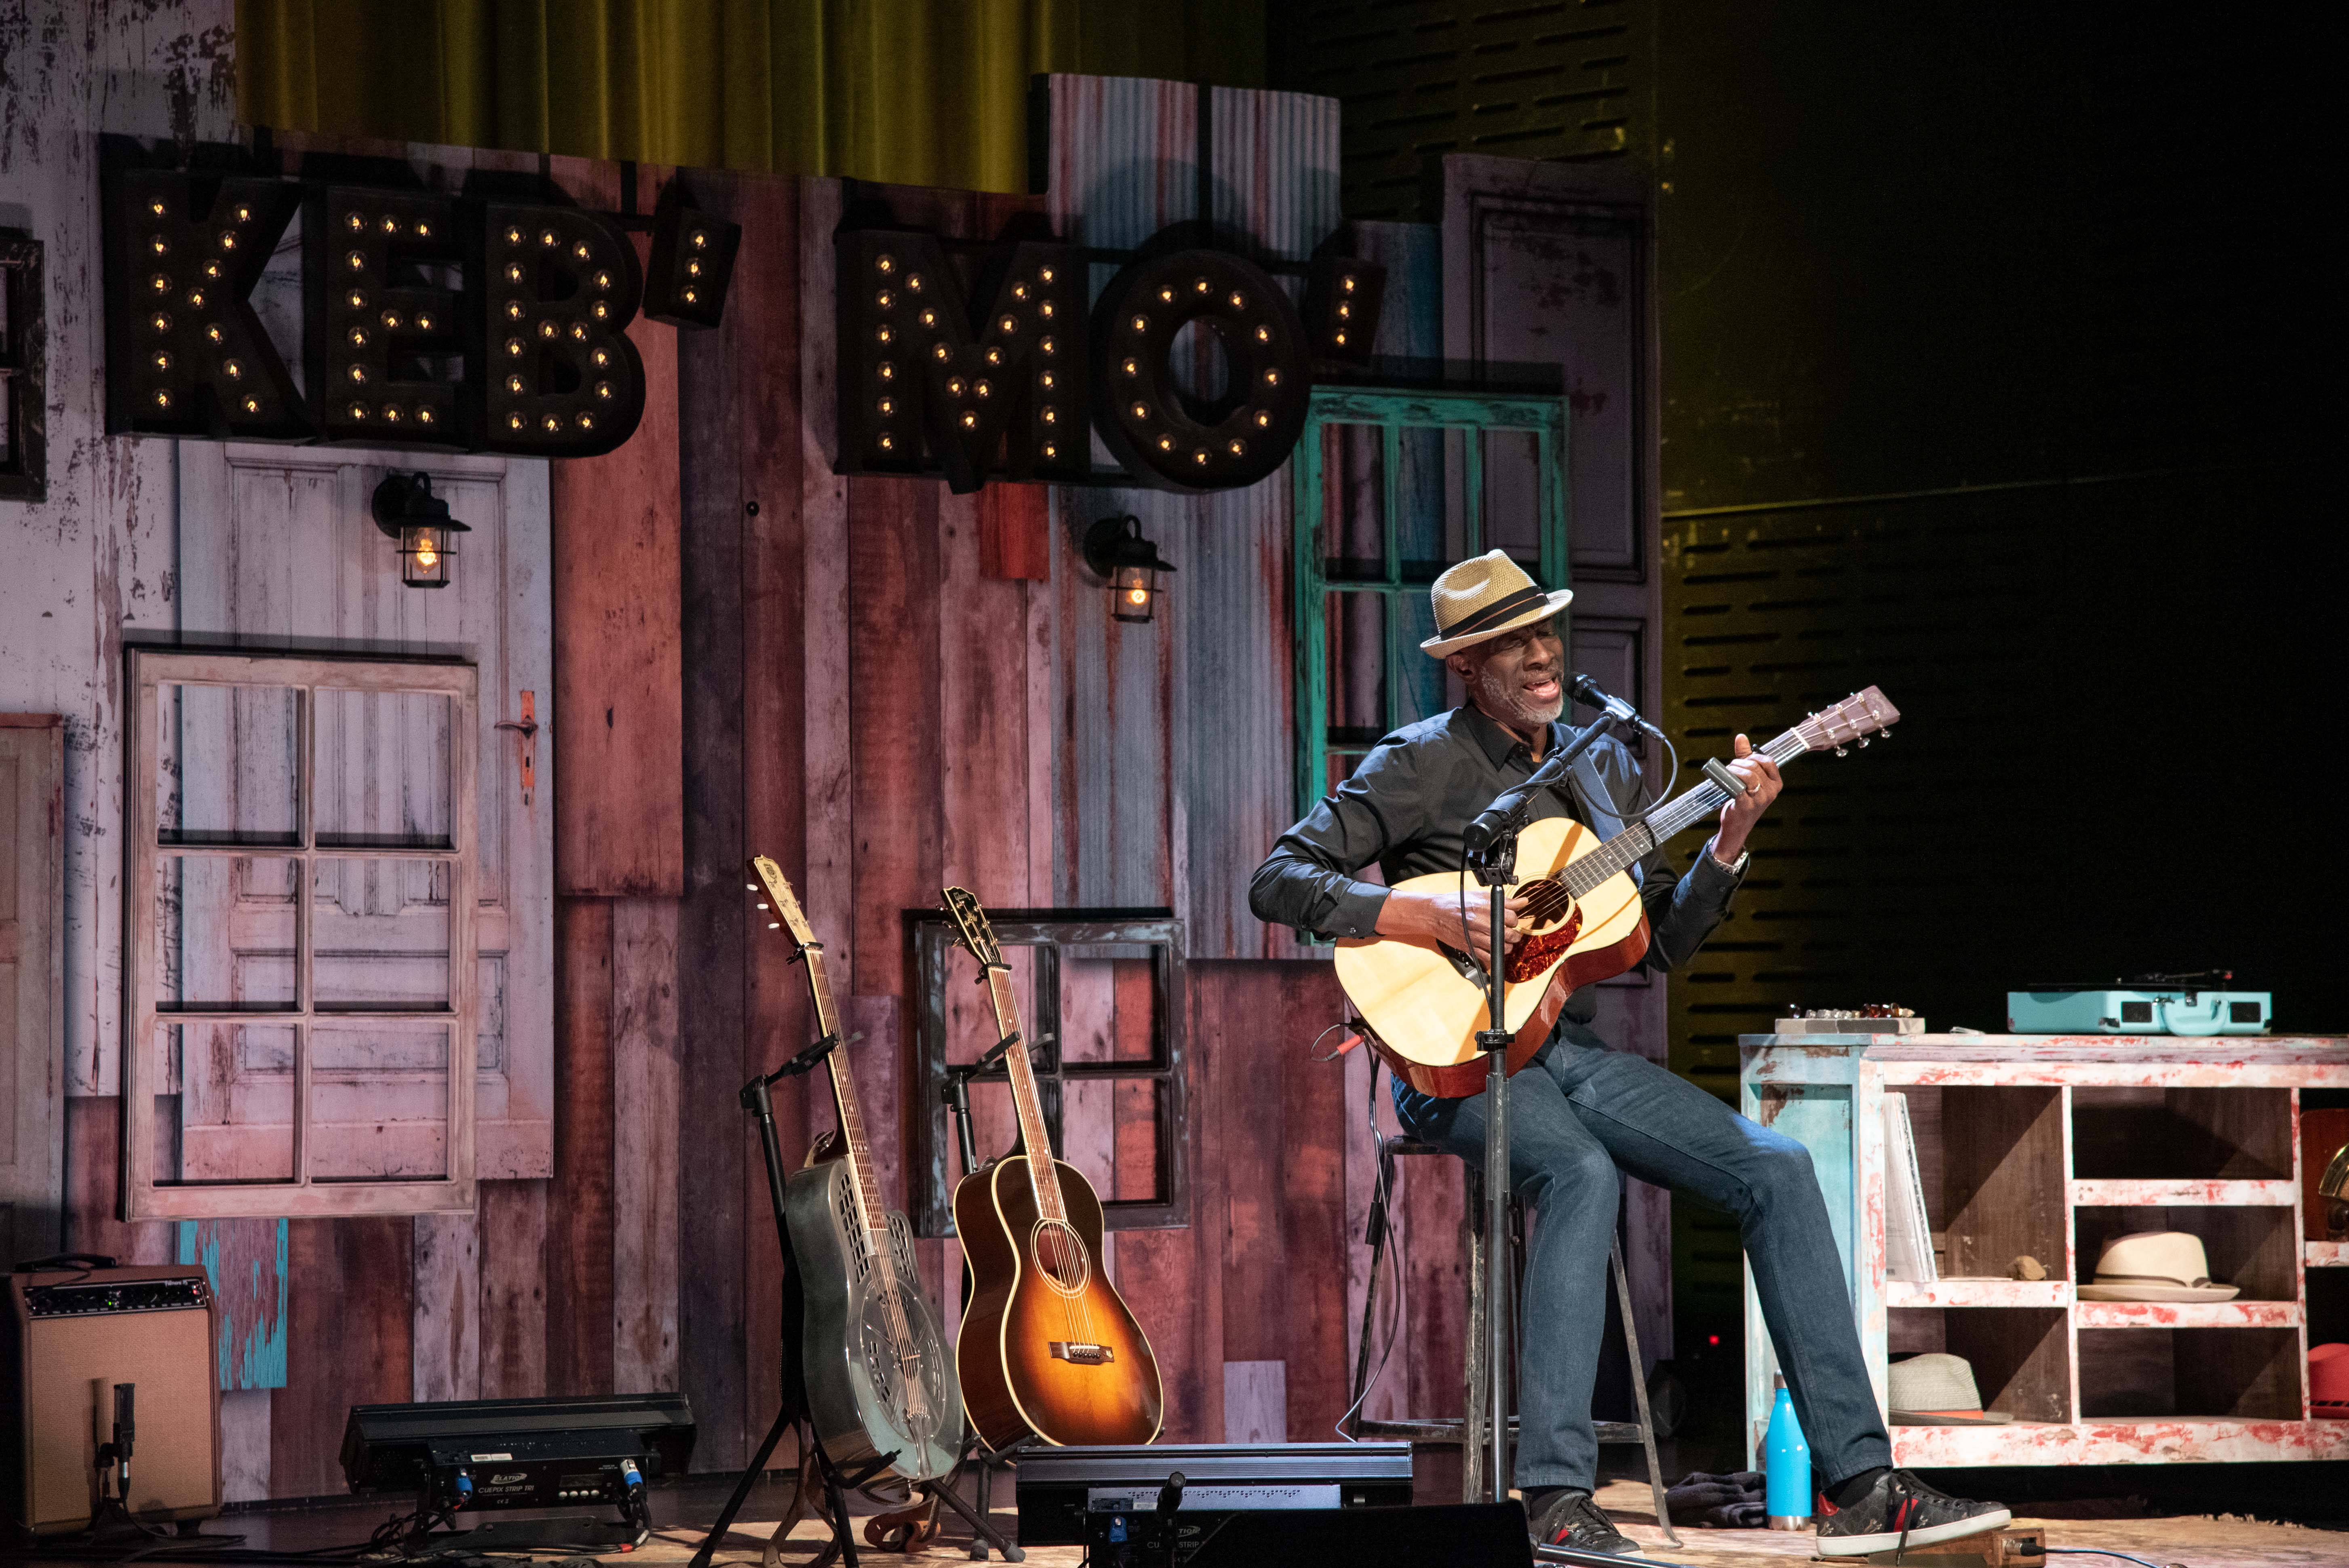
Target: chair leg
{"x":1639,"y":1387}
{"x":1359,"y":1392}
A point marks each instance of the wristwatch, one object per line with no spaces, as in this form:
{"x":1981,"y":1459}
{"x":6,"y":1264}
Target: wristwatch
{"x":1736,"y":867}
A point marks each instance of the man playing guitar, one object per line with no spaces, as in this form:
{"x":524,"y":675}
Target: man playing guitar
{"x":1582,"y":1113}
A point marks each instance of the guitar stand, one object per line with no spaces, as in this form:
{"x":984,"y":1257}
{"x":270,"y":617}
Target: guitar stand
{"x":983,"y":1534}
{"x":955,"y":1092}
{"x":758,"y":1099}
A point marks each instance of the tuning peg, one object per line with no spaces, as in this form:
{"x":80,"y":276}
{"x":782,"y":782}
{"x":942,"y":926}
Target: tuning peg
{"x":753,"y":886}
{"x":1842,"y":751}
{"x":774,"y":925}
{"x":1863,"y":743}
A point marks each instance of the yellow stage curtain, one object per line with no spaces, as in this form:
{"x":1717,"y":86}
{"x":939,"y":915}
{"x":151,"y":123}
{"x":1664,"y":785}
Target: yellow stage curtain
{"x":915,"y":92}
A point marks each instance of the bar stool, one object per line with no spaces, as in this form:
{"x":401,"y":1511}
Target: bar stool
{"x":1474,"y":1434}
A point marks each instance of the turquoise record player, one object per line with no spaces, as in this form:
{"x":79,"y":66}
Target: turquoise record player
{"x":2187,"y":1004}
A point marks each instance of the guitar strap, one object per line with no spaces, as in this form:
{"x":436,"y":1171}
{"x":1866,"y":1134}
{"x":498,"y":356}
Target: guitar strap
{"x":1593,"y":804}
{"x":1591,"y":796}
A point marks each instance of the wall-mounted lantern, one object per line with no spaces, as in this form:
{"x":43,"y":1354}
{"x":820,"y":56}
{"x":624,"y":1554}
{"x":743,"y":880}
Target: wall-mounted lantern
{"x":1117,"y":552}
{"x":407,"y":510}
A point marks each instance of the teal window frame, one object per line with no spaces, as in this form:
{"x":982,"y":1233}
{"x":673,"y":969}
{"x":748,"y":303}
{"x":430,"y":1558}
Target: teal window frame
{"x":1393,"y":412}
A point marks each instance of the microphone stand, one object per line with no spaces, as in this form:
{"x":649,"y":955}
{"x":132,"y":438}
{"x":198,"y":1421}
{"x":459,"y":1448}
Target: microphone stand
{"x":1494,"y":862}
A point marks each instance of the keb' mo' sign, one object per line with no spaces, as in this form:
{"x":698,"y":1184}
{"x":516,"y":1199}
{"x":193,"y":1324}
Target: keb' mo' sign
{"x":473,"y":323}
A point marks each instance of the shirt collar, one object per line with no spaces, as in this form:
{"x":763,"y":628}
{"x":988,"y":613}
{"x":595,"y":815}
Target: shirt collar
{"x":1498,"y":744}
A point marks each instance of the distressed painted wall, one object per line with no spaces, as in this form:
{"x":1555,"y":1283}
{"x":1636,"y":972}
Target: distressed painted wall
{"x":98,"y":556}
{"x":855,"y":690}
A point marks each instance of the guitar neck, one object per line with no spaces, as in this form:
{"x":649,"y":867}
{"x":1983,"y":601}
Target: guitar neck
{"x":873,"y":1214}
{"x":1667,"y":822}
{"x":1040,"y":1170}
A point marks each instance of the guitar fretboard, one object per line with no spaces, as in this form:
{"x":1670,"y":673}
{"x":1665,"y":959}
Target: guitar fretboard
{"x":873,"y":1214}
{"x":1040,"y":1172}
{"x":1667,"y":822}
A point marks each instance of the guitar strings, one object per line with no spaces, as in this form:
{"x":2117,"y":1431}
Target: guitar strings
{"x":1053,"y":1246}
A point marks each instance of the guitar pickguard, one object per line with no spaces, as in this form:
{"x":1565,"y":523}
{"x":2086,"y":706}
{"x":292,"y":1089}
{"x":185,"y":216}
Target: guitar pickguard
{"x":1535,"y":953}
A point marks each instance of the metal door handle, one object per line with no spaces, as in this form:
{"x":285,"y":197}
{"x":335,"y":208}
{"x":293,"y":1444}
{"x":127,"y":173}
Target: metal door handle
{"x":527,"y":727}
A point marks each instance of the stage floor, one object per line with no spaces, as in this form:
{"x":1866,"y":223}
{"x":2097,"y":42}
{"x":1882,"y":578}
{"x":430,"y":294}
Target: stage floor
{"x":2199,"y":1541}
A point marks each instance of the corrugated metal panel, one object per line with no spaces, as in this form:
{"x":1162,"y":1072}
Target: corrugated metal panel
{"x":1565,"y":80}
{"x":1121,"y":164}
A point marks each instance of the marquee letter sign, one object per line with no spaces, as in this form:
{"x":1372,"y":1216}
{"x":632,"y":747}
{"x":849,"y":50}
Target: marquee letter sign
{"x":364,"y":284}
{"x":185,"y":356}
{"x":919,"y":367}
{"x":429,"y":320}
{"x":472,"y":323}
{"x":564,"y":376}
{"x":1169,"y":438}
{"x":1016,"y":388}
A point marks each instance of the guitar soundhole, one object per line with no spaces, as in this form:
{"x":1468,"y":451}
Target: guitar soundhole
{"x":1060,"y":1254}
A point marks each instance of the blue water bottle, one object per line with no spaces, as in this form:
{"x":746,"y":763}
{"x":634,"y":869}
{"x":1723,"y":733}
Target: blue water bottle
{"x":1787,"y":1466}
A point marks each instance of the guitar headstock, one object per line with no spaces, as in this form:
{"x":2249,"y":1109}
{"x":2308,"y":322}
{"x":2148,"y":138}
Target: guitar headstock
{"x":784,"y":902}
{"x":971,"y":928}
{"x":1855,"y":719}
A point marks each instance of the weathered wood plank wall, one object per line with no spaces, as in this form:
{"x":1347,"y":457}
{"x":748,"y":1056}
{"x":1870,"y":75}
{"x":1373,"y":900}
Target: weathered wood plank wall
{"x":886,"y":687}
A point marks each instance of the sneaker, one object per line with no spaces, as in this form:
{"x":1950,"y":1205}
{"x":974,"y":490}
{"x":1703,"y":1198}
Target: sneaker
{"x":1901,"y":1511}
{"x":1573,"y":1520}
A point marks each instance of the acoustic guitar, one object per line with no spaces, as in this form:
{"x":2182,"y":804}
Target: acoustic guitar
{"x":1583,"y":922}
{"x":878,"y":1381}
{"x":1047,"y":1346}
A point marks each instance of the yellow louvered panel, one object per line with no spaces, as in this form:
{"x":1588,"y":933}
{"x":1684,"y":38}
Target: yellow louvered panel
{"x":1567,"y":79}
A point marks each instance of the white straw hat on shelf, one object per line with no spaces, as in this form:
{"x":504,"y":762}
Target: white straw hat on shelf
{"x":1937,"y":1390}
{"x":2155,"y":1266}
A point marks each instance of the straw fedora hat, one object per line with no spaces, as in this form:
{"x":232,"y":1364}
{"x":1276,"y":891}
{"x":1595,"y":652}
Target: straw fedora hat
{"x":2155,"y":1266}
{"x":1483,"y":597}
{"x":1937,"y":1390}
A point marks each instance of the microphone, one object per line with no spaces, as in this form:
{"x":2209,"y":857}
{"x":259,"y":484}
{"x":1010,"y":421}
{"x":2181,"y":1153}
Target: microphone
{"x":1587,"y":693}
{"x":1499,"y":819}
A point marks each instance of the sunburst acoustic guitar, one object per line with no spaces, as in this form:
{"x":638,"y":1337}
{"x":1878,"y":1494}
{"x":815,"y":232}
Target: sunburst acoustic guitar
{"x":1424,"y":1004}
{"x":1047,"y":1347}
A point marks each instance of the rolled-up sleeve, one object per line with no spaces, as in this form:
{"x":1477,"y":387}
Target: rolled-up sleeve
{"x":1309,"y":881}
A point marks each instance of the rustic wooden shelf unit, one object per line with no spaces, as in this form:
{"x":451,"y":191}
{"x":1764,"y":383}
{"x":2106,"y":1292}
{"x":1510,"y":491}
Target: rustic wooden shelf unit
{"x":2047,"y":1145}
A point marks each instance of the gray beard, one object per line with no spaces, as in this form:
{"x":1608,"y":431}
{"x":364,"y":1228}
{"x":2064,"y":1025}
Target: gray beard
{"x":1506,"y":701}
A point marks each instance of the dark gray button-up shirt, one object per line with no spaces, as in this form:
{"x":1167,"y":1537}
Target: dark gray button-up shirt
{"x":1406,"y":806}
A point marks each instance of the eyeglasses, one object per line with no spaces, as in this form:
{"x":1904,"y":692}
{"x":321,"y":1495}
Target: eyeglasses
{"x":1516,"y":641}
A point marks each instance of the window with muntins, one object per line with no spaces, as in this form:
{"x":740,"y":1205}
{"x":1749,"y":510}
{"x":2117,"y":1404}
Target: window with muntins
{"x":300,"y":987}
{"x":1100,"y":996}
{"x":1392,"y":486}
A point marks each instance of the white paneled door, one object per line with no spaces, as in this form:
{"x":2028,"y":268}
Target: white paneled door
{"x":278,"y":550}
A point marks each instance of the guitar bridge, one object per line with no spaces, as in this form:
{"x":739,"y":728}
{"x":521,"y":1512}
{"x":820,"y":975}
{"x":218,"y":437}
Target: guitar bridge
{"x":1081,"y":1355}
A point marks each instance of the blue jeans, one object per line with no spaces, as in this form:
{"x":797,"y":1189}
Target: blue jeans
{"x":1578,"y":1113}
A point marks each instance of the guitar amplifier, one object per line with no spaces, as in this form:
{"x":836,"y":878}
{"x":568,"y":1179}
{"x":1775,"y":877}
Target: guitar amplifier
{"x":1068,"y":1495}
{"x":66,"y":1338}
{"x":2142,"y":1007}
